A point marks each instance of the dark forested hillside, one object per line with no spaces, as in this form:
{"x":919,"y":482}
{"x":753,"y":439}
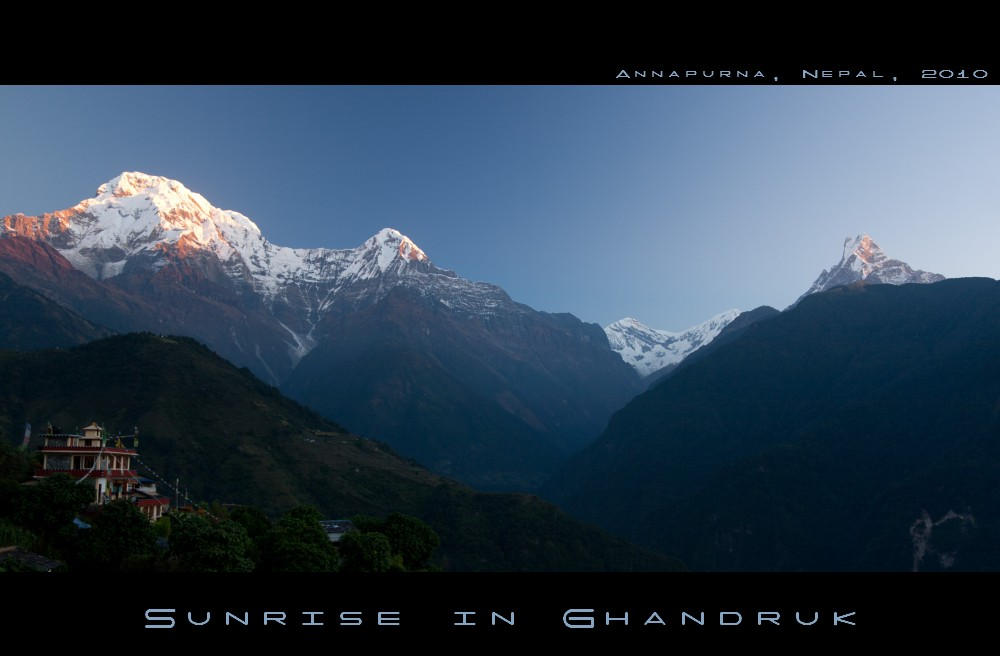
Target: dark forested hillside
{"x":230,"y":437}
{"x":29,"y":320}
{"x":858,"y":430}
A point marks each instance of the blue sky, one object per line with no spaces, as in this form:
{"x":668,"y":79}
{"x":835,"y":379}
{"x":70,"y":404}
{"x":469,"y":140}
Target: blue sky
{"x":669,"y":204}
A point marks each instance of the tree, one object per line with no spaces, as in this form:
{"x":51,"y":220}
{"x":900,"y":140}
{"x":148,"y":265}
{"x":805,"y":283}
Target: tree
{"x":120,"y":537}
{"x":15,"y":463}
{"x":253,"y":520}
{"x":201,"y":544}
{"x":258,"y":528}
{"x":299,"y":544}
{"x":366,"y":552}
{"x":10,"y":493}
{"x":411,"y":541}
{"x":11,"y":535}
{"x":161,"y":527}
{"x":51,"y":505}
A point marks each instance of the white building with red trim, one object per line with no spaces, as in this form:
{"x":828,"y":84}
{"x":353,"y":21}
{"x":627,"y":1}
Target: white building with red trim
{"x":105,"y":463}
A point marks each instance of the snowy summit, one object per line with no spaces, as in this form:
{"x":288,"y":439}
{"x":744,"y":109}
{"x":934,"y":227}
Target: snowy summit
{"x":144,"y":225}
{"x":862,"y":259}
{"x":141,"y":219}
{"x":648,"y":350}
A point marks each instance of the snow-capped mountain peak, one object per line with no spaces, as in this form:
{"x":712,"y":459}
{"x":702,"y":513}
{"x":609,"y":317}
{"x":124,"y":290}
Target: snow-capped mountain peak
{"x":140,"y":223}
{"x":862,"y":259}
{"x":392,"y":243}
{"x":867,"y":254}
{"x":648,"y":350}
{"x":176,"y":206}
{"x":137,"y":219}
{"x":131,"y":183}
{"x":630,"y":323}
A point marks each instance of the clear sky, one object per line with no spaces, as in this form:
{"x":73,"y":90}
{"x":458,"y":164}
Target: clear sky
{"x":668,"y":204}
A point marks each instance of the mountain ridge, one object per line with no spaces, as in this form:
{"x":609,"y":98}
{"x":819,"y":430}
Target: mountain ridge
{"x":649,"y":350}
{"x":31,"y":320}
{"x":863,"y":260}
{"x":815,"y":439}
{"x":148,"y":254}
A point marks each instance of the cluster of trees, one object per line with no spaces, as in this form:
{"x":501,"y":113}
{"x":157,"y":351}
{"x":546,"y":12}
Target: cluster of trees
{"x":39,"y":518}
{"x":398,"y":542}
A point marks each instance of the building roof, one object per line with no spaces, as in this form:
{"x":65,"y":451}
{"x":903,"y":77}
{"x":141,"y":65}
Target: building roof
{"x":339,"y":525}
{"x":20,"y":559}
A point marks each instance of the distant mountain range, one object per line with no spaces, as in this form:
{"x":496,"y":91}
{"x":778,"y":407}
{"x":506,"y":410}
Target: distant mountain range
{"x":649,"y":350}
{"x":448,"y":371}
{"x":652,"y":353}
{"x":451,"y":372}
{"x":854,"y":430}
{"x":857,"y":430}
